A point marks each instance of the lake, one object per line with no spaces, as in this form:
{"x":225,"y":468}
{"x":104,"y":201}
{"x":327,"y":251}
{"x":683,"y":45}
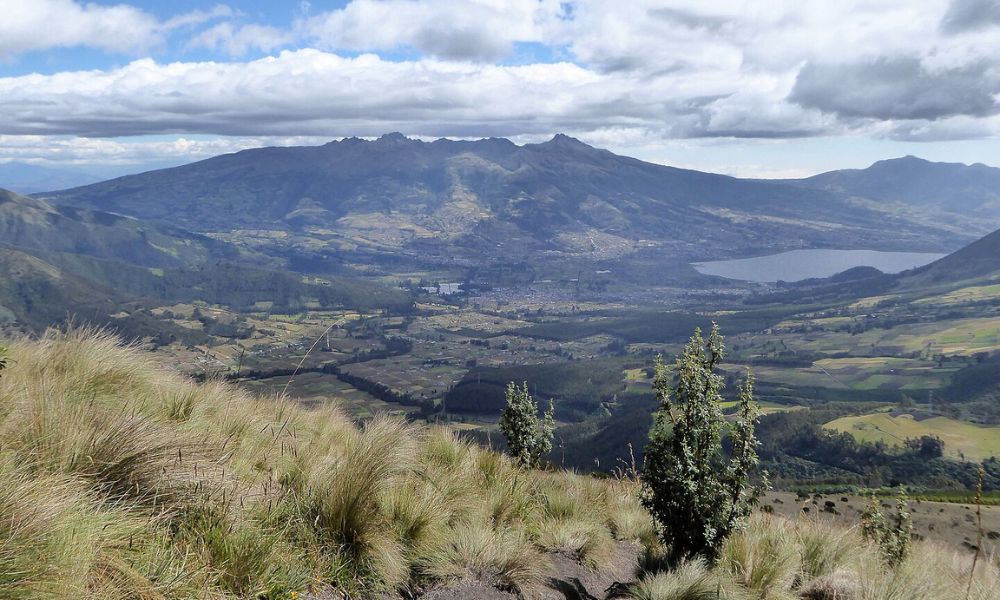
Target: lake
{"x":797,"y":265}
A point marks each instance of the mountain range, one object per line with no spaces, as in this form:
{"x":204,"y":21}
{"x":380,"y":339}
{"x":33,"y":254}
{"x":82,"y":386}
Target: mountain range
{"x":966,"y":197}
{"x":33,"y":224}
{"x":237,"y":228}
{"x":62,"y":262}
{"x":462,"y":203}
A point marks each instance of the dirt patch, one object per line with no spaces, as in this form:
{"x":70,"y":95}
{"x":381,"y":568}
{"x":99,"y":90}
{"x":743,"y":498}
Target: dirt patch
{"x":568,"y":579}
{"x":469,"y":590}
{"x":952,"y":524}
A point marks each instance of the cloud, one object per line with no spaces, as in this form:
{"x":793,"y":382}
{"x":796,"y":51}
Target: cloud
{"x":238,"y":40}
{"x":971,"y":15}
{"x":898,"y":88}
{"x":463,"y":30}
{"x":70,"y":150}
{"x":42,"y":24}
{"x":948,"y":129}
{"x":309,"y":92}
{"x":675,"y":69}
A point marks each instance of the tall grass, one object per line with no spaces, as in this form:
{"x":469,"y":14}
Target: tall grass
{"x":779,"y":559}
{"x":690,"y":581}
{"x":120,"y":479}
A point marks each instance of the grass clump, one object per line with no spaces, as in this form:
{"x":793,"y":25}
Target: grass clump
{"x":762,"y":559}
{"x":119,"y":479}
{"x":691,"y":580}
{"x":504,"y":557}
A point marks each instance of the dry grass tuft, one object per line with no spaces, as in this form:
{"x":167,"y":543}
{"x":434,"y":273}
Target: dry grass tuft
{"x":119,"y":479}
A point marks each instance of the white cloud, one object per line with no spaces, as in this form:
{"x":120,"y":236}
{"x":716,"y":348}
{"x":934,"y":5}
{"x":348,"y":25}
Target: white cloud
{"x":70,"y":150}
{"x":662,"y":69}
{"x":463,"y":29}
{"x":238,"y":40}
{"x":28,"y":25}
{"x":309,"y":92}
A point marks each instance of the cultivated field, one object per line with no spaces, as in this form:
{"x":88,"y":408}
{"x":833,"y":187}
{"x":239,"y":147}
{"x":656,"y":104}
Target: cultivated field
{"x":967,"y":441}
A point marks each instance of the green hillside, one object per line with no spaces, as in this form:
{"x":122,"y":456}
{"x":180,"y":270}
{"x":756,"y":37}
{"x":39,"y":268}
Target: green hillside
{"x":119,"y":479}
{"x":408,"y":201}
{"x":33,"y":224}
{"x":37,"y":293}
{"x":64,"y":263}
{"x":978,"y":261}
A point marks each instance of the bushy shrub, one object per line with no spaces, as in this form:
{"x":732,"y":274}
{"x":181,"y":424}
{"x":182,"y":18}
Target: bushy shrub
{"x":529,"y":438}
{"x":696,"y":496}
{"x":893,"y":535}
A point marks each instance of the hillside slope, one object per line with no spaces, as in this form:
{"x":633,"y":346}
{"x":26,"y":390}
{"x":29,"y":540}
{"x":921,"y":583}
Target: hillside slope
{"x":979,"y":261}
{"x":33,"y":224}
{"x":36,"y":293}
{"x":452,"y":200}
{"x":63,"y":262}
{"x":120,"y":480}
{"x":966,"y":196}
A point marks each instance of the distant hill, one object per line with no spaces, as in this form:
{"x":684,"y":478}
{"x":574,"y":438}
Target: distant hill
{"x":978,"y":260}
{"x":27,"y":178}
{"x":460,"y":202}
{"x":32,"y":224}
{"x":59,"y":262}
{"x":36,"y":293}
{"x":969,"y":195}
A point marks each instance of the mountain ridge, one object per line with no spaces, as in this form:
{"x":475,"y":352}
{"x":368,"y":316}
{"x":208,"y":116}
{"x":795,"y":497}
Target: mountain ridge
{"x":490,"y":199}
{"x":32,"y":224}
{"x":967,"y":196}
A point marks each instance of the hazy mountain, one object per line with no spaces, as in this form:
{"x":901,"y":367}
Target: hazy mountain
{"x":36,"y":293}
{"x":26,"y":178}
{"x":979,"y":260}
{"x":967,"y":195}
{"x":451,"y":201}
{"x":61,"y":261}
{"x":33,"y":224}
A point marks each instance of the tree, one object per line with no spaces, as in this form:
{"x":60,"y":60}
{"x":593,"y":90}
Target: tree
{"x":697,"y":496}
{"x":529,"y":437}
{"x":926,"y":446}
{"x":893,"y":537}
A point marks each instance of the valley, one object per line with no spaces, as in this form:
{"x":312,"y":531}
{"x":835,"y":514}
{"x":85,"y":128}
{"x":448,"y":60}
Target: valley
{"x":486,"y":300}
{"x":854,"y":365}
{"x":419,"y":278}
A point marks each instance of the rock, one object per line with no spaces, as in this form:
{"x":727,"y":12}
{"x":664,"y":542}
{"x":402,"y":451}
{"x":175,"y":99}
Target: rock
{"x":839,"y":585}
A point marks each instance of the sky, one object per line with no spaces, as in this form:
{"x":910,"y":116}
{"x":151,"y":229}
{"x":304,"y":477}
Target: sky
{"x":783,"y":88}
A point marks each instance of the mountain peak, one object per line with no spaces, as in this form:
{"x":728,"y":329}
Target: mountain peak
{"x":562,"y":139}
{"x":393,"y":136}
{"x":909,"y":159}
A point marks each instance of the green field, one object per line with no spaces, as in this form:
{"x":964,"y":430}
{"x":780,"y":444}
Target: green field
{"x":951,"y":337}
{"x":861,"y":373}
{"x":961,"y":439}
{"x":976,"y":293}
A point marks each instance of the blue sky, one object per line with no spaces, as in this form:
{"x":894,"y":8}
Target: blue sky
{"x":782,"y":90}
